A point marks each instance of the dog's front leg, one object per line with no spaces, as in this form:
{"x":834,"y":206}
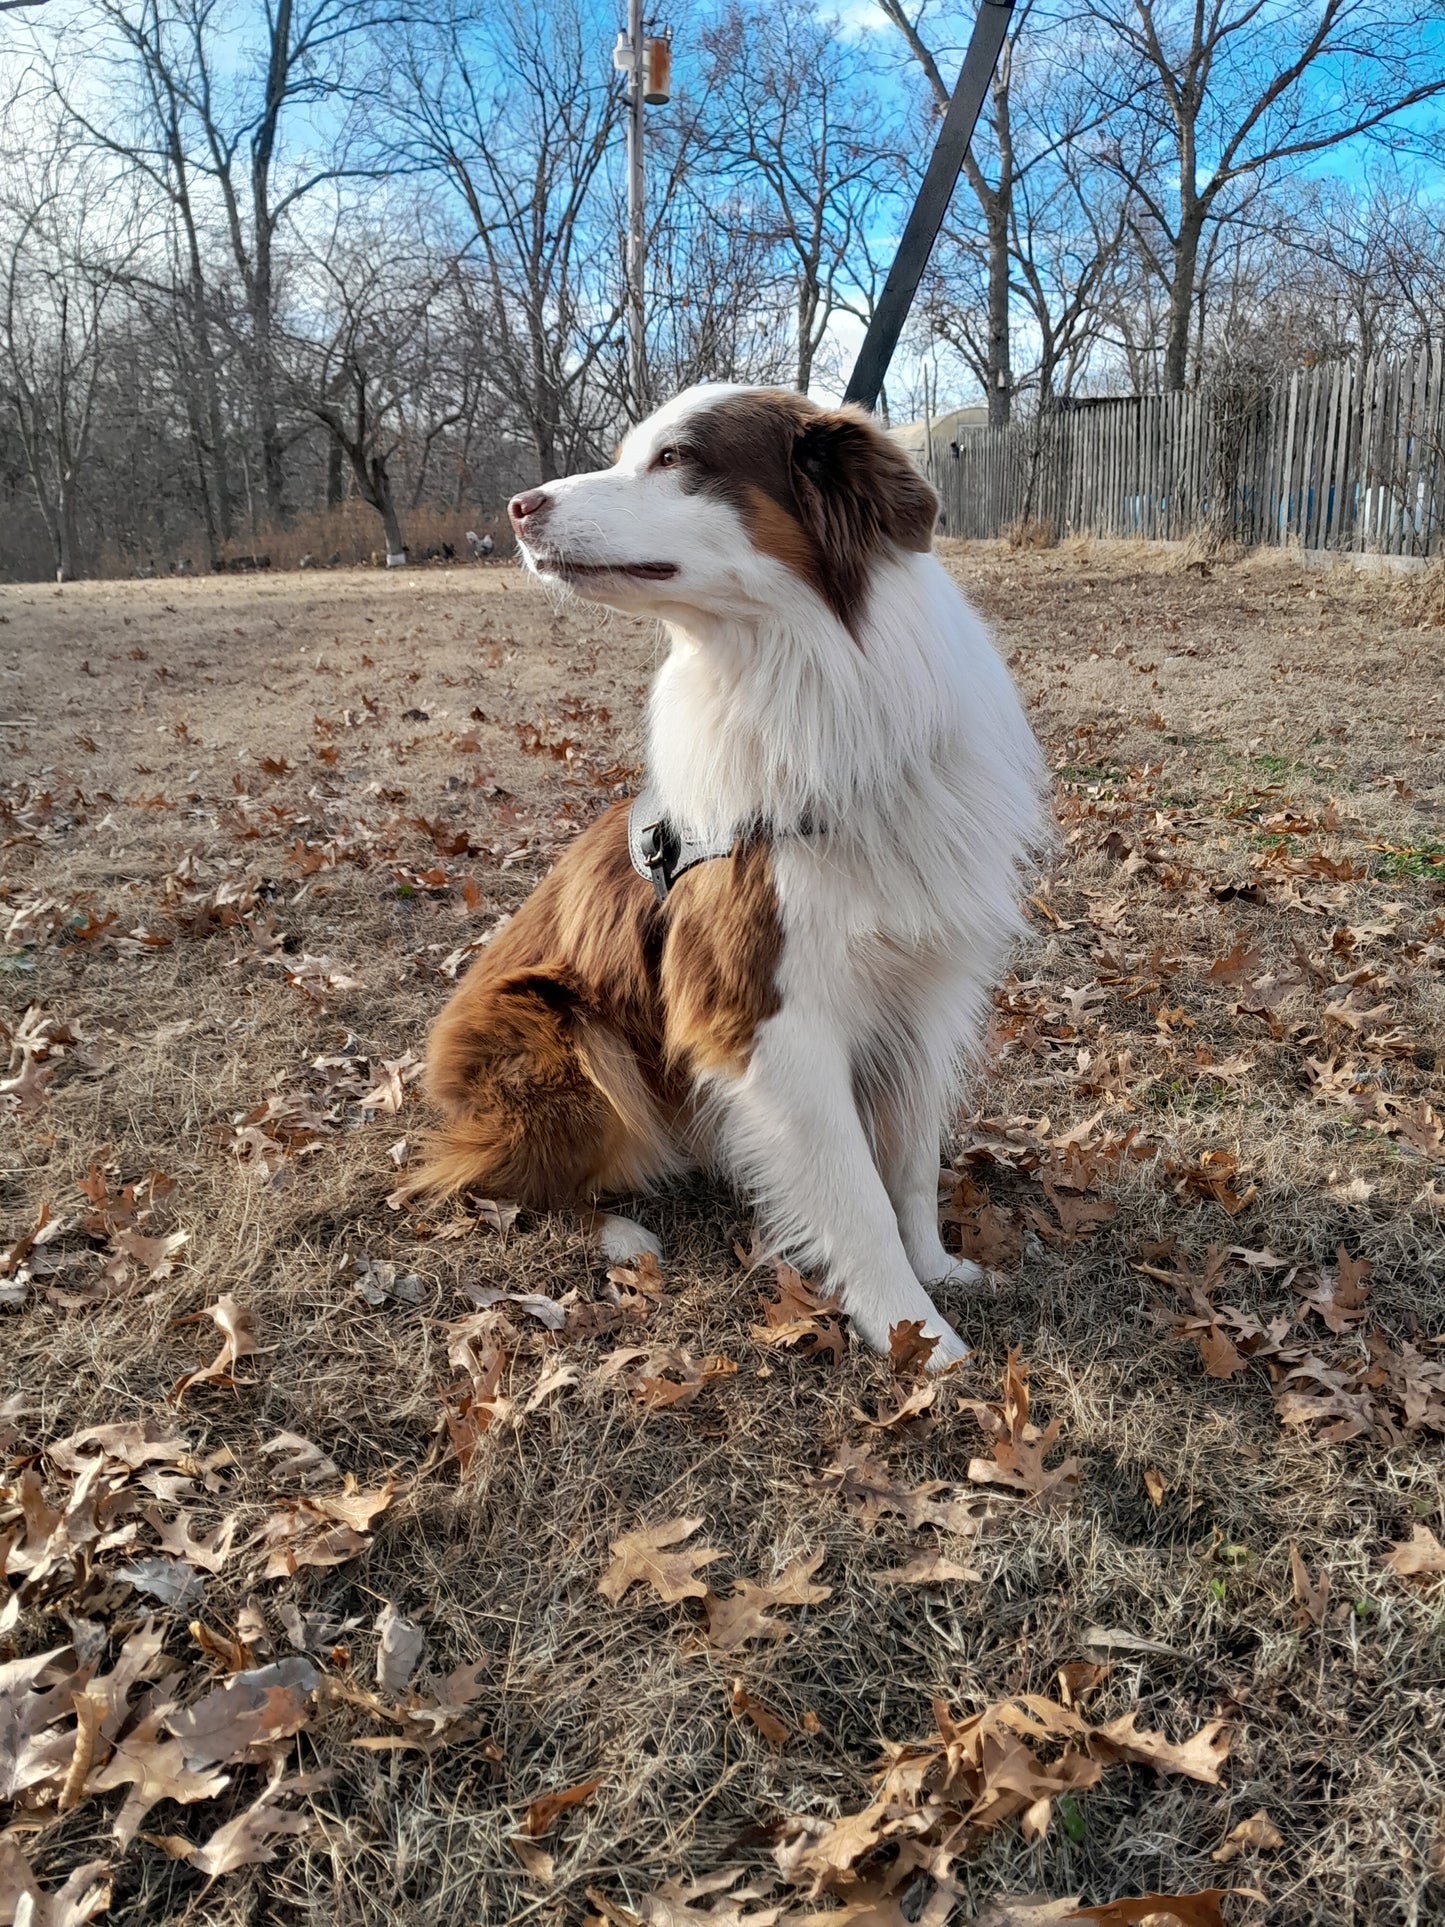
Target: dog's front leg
{"x":908,"y":1132}
{"x":796,"y":1140}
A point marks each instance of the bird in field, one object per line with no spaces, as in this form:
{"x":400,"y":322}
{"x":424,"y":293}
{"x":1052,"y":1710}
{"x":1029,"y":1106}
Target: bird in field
{"x":481,"y":546}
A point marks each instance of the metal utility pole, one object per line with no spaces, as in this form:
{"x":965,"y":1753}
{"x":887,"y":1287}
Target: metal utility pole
{"x":647,"y":65}
{"x":929,"y":209}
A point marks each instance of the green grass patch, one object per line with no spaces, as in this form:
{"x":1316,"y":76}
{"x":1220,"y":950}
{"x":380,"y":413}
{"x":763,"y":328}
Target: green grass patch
{"x":1424,"y":860}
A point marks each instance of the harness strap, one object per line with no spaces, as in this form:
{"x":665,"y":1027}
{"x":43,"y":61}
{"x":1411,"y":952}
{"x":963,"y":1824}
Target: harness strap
{"x":662,"y":850}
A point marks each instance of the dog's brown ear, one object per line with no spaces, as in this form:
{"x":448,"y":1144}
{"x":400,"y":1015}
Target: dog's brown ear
{"x":858,"y":494}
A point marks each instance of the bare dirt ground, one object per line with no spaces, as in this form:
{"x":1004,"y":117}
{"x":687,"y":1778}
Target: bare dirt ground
{"x":251,"y":831}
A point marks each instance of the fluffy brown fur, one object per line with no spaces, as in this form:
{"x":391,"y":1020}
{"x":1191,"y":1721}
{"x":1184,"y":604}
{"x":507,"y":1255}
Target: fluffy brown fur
{"x":562,"y":1062}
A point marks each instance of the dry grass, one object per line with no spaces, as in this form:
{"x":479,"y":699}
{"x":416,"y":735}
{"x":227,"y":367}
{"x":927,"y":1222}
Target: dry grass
{"x":345,"y":537}
{"x":1183,"y":715}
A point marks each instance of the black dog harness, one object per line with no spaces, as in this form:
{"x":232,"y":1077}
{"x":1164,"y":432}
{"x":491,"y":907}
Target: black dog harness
{"x":662,"y":850}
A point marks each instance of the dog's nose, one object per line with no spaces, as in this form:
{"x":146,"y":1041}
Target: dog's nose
{"x":528,"y":506}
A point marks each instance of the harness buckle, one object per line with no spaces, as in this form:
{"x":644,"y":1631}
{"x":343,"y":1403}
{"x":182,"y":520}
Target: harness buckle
{"x":652,"y":844}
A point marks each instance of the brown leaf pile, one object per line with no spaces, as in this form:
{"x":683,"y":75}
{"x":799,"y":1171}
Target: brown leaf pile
{"x":1011,"y":1760}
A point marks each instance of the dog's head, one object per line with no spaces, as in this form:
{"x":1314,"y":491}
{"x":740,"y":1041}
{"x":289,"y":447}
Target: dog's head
{"x":728,"y":500}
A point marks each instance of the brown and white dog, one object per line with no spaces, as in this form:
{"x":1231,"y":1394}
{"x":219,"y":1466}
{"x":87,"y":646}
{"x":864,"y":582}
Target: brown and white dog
{"x":799,"y":1010}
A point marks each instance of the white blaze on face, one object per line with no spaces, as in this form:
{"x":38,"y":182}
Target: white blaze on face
{"x":737,"y":504}
{"x":644,"y":535}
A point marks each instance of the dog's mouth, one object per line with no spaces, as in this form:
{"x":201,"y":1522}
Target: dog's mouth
{"x":573,"y":570}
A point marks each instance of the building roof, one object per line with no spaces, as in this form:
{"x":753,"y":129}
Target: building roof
{"x":914,"y":435}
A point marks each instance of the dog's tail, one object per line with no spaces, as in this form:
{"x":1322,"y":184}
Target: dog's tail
{"x":478,"y":1151}
{"x":544,"y":1105}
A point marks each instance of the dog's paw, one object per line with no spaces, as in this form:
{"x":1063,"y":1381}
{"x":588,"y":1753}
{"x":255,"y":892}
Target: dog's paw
{"x":623,"y":1242}
{"x":943,"y":1268}
{"x":874,"y":1328}
{"x":950,"y":1349}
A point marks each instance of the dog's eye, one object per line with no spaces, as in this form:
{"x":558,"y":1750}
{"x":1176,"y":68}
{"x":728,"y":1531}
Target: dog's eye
{"x":669,"y":457}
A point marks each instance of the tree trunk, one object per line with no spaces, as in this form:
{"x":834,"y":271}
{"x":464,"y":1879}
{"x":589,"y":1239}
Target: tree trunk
{"x":203,"y":483}
{"x":373,"y":485}
{"x":381,"y":501}
{"x":66,"y":543}
{"x":273,"y":474}
{"x":1181,"y":301}
{"x":1000,"y":361}
{"x":263,"y":147}
{"x":334,"y":476}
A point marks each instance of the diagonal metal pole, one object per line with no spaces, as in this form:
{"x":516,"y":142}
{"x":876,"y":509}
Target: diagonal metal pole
{"x":919,"y":235}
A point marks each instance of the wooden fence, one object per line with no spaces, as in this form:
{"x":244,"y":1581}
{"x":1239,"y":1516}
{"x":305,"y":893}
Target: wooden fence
{"x":1345,"y":456}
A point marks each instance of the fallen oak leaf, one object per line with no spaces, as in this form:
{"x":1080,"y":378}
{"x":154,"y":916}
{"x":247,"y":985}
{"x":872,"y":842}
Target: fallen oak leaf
{"x":379,"y":1281}
{"x":34,"y":1694}
{"x":555,"y":1379}
{"x":862,"y":1482}
{"x":249,"y":1709}
{"x":1421,"y":1554}
{"x":1158,"y":1910}
{"x":319,"y":1531}
{"x":544,"y":1813}
{"x":247,"y":1840}
{"x":173,"y":1583}
{"x":766,"y":1721}
{"x":1026,"y":1910}
{"x":155,"y":1769}
{"x":545,"y":1310}
{"x":1218,"y":1353}
{"x":429,"y":1723}
{"x":351,"y":1506}
{"x":1020,"y":1448}
{"x":89,"y":1713}
{"x":1342,"y":1300}
{"x":909,"y":1414}
{"x":820,"y":1853}
{"x":155,"y":1256}
{"x":1240,"y":966}
{"x":399,"y":1647}
{"x":1198,"y":1758}
{"x":127,"y":1444}
{"x":297,"y":1458}
{"x":657,"y":1392}
{"x":1311,"y":1598}
{"x":85,"y":1893}
{"x":28,"y":1085}
{"x":927,"y":1569}
{"x":1257,"y":1831}
{"x":746,"y":1613}
{"x":539,"y":1864}
{"x":799,"y":1318}
{"x":909,"y":1347}
{"x":14,"y":1257}
{"x":638,"y":1287}
{"x":645,"y":1555}
{"x":673,"y":1904}
{"x":211,"y":1552}
{"x":240,"y":1342}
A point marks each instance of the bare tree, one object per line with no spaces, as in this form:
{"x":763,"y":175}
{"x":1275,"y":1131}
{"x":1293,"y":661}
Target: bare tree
{"x":152,"y":74}
{"x":360,"y":351}
{"x":211,"y":120}
{"x":515,"y":112}
{"x":798,"y":128}
{"x":1230,"y":90}
{"x":1029,"y":281}
{"x":988,"y":348}
{"x":66,"y":241}
{"x":708,"y":264}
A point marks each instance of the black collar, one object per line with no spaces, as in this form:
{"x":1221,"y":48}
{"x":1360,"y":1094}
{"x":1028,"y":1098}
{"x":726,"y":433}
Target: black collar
{"x":663,"y":850}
